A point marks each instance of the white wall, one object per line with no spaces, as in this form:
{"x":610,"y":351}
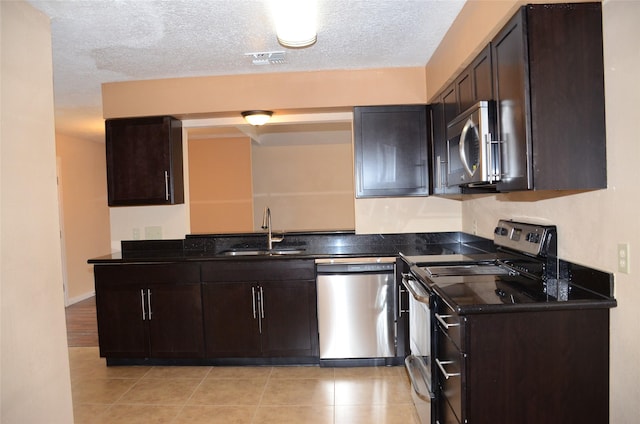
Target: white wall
{"x":590,"y":225}
{"x":34,"y":364}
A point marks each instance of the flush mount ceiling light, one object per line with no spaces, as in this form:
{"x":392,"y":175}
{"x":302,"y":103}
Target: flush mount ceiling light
{"x":295,"y":22}
{"x":257,"y":117}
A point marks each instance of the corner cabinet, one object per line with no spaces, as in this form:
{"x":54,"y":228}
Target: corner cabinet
{"x":144,"y":161}
{"x":549,"y":87}
{"x":149,"y":311}
{"x":391,"y":151}
{"x":261,"y":309}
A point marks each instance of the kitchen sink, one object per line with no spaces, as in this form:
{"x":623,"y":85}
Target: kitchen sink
{"x":262,"y":252}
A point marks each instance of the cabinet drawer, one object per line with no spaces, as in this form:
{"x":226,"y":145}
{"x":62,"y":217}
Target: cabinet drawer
{"x":259,"y":270}
{"x":445,"y":413}
{"x":449,"y":322}
{"x":169,"y":273}
{"x":449,"y":361}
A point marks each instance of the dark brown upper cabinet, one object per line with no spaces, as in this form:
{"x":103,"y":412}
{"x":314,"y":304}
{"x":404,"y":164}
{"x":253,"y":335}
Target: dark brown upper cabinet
{"x":549,"y":87}
{"x":445,"y":109}
{"x":391,"y":151}
{"x":144,"y":161}
{"x":475,"y":83}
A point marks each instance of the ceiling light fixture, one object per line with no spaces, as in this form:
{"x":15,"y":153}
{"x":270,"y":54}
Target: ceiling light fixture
{"x":257,"y":117}
{"x":295,"y":22}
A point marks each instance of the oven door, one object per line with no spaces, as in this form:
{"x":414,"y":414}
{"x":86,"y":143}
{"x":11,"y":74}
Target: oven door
{"x":418,"y":364}
{"x":471,"y":154}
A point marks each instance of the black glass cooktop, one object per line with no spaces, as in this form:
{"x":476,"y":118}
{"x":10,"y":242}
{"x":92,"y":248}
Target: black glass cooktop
{"x":478,"y":292}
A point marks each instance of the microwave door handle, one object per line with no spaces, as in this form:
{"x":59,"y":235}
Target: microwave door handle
{"x":448,"y":160}
{"x":495,"y":171}
{"x":463,"y":138}
{"x":489,"y":146}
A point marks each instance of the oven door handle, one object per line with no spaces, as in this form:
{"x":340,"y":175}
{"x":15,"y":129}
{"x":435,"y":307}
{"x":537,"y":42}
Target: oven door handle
{"x":415,"y":288}
{"x":416,"y":372}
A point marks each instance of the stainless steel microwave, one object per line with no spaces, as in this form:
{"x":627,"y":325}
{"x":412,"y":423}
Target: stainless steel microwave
{"x":472,"y":156}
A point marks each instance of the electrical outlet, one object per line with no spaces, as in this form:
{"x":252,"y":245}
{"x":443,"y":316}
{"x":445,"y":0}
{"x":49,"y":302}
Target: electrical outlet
{"x":623,"y":258}
{"x":475,"y":227}
{"x":136,"y":233}
{"x":153,"y":233}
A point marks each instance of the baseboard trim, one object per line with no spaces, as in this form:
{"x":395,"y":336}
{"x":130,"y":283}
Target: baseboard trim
{"x":80,"y":298}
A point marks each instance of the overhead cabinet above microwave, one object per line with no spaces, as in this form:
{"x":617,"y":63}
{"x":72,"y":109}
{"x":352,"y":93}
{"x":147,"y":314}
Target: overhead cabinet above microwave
{"x":548,"y":87}
{"x":144,"y":161}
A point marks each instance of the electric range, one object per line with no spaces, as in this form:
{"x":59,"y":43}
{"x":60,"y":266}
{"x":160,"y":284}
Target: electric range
{"x":524,"y":272}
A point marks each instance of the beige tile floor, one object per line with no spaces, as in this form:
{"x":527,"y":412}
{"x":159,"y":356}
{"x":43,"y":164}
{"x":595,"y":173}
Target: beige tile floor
{"x":236,"y":395}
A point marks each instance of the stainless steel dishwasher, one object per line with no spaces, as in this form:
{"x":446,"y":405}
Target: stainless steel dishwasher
{"x":357,"y":310}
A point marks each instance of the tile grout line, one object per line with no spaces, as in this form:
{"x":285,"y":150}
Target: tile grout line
{"x":264,"y":389}
{"x":186,"y":402}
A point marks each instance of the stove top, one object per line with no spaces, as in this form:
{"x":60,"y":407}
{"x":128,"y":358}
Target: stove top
{"x":524,"y":272}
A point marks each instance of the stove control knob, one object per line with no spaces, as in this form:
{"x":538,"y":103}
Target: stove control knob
{"x":501,"y":231}
{"x":533,"y":237}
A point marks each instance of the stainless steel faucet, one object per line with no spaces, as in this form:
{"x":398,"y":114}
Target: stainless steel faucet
{"x":266,"y":225}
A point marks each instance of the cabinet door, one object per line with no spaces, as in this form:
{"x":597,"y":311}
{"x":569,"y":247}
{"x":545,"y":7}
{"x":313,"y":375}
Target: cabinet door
{"x":231,"y":320}
{"x":391,"y":151}
{"x":509,"y":55}
{"x":482,"y":76}
{"x":144,"y":161}
{"x":175,"y":321}
{"x":125,"y":296}
{"x":443,"y":112}
{"x":568,"y":130}
{"x":121,"y":328}
{"x":289,"y":326}
{"x":464,"y":89}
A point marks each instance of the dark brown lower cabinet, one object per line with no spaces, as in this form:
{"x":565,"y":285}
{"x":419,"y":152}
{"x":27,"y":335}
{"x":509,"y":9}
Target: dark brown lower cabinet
{"x":149,"y":311}
{"x":260,"y":319}
{"x":527,"y":367}
{"x":260,"y":309}
{"x":231,"y":317}
{"x":203,"y":311}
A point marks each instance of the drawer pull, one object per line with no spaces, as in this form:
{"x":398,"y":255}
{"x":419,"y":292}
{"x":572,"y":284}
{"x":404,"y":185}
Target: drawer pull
{"x":446,"y":325}
{"x":446,"y":374}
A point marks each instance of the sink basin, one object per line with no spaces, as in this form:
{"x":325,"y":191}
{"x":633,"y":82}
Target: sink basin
{"x":262,"y":252}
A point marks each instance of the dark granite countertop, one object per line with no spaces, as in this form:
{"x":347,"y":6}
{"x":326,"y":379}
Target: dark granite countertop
{"x":311,"y":245}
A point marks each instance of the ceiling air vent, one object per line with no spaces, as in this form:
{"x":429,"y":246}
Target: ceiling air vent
{"x":267,"y":58}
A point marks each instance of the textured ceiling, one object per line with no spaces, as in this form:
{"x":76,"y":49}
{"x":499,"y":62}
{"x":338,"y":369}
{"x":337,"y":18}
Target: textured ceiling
{"x":99,"y":41}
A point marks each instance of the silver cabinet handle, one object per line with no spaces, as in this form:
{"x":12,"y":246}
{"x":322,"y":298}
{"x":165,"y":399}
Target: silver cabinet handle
{"x":253,"y":301}
{"x":166,"y":185}
{"x":261,"y":308}
{"x":149,"y":304}
{"x":442,"y":318}
{"x":144,"y":315}
{"x":446,"y":374}
{"x":261,"y":303}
